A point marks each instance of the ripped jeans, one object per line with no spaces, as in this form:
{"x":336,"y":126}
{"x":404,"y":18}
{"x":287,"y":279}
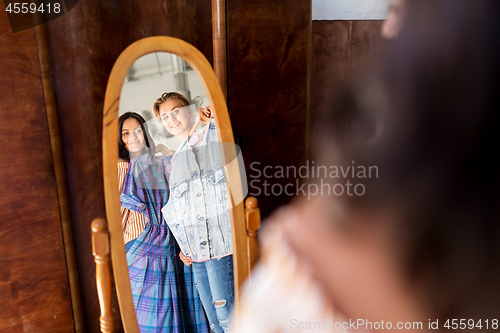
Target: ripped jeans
{"x":215,"y":284}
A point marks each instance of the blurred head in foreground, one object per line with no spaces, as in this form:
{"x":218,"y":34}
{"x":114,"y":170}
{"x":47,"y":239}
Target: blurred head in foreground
{"x":422,"y":241}
{"x":395,"y":19}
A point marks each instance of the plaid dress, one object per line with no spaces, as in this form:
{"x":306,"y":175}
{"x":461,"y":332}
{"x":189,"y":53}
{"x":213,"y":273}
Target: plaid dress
{"x":163,"y":288}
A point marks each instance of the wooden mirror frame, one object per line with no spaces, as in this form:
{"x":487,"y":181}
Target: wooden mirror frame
{"x":110,"y":156}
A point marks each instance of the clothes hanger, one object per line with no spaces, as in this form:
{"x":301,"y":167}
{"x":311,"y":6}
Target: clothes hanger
{"x":201,"y":117}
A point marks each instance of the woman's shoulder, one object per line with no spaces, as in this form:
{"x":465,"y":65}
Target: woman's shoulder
{"x":140,"y":159}
{"x":122,"y":166}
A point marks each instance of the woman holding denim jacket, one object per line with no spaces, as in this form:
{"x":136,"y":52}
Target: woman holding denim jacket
{"x":163,"y":290}
{"x":198,"y":208}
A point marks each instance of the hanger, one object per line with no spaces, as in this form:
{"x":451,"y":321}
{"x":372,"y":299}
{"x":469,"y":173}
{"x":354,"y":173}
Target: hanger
{"x":201,"y":117}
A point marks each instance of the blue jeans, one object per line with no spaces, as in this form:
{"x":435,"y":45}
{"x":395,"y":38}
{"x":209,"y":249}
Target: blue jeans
{"x":215,"y":283}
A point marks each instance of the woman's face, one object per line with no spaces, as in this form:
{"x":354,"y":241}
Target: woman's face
{"x":132,"y":135}
{"x":175,"y":117}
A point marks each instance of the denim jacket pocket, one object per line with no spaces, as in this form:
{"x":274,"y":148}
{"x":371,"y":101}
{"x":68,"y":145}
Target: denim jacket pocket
{"x":216,"y":177}
{"x":179,"y":190}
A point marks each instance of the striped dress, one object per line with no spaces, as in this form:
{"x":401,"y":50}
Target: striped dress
{"x":133,"y":223}
{"x":163,"y":288}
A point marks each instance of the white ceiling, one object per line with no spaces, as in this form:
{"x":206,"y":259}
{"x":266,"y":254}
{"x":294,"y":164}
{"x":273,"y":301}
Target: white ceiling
{"x":349,"y":9}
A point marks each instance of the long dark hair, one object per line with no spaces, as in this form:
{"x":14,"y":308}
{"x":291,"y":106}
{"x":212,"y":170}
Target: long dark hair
{"x":429,"y":121}
{"x":149,"y":143}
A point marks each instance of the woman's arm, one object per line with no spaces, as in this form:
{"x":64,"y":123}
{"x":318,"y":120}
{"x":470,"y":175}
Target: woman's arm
{"x":161,"y":148}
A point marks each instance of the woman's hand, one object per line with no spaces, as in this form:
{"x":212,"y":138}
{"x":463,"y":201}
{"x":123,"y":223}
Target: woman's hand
{"x":164,"y":150}
{"x":204,"y":115}
{"x":186,"y":260}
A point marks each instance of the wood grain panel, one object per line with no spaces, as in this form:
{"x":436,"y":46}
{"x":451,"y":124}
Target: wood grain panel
{"x":330,"y":61}
{"x":84,"y":45}
{"x":33,"y":277}
{"x":60,"y":175}
{"x":368,"y":45}
{"x":342,"y":50}
{"x":268,"y":63}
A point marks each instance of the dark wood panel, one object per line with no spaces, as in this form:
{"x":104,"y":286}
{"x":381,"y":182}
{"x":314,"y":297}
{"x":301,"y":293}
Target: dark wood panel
{"x":60,"y":176}
{"x":84,"y":44}
{"x":341,"y":50}
{"x":268,"y":60}
{"x":368,"y":45}
{"x":34,"y":286}
{"x":330,"y":61}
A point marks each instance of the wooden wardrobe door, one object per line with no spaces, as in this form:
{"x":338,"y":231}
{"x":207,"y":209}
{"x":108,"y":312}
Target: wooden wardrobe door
{"x":368,"y":44}
{"x":268,"y":46}
{"x":341,"y":50}
{"x":331,"y":61}
{"x":34,"y":286}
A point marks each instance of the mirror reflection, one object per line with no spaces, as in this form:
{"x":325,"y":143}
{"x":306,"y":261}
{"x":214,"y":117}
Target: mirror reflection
{"x":174,"y":201}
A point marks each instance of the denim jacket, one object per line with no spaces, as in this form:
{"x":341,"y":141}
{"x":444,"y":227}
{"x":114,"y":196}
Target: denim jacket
{"x":198,"y":209}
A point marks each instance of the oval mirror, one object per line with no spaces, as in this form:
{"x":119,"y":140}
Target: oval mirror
{"x":174,"y":188}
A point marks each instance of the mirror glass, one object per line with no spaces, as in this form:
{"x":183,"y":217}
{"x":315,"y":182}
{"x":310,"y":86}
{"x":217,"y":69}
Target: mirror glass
{"x":174,"y":200}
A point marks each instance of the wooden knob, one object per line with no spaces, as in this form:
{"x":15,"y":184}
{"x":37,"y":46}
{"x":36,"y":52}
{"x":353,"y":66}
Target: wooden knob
{"x":251,"y":203}
{"x":98,"y":224}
